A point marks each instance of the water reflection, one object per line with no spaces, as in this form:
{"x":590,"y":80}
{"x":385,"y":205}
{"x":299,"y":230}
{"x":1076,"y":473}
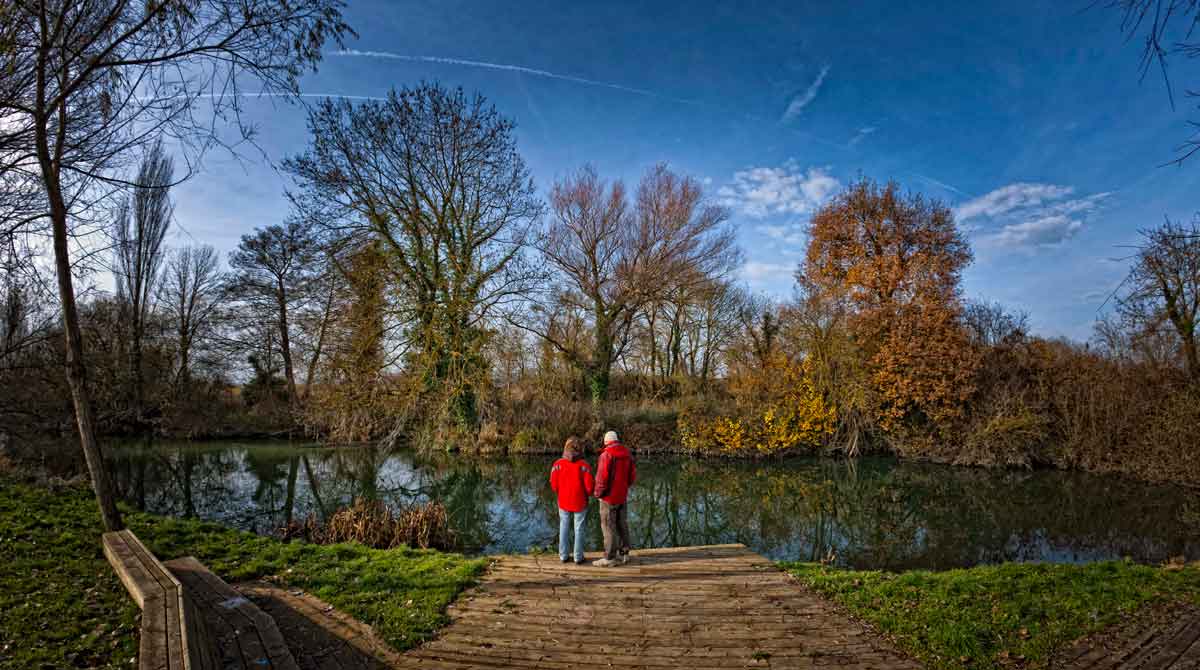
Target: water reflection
{"x":872,"y":513}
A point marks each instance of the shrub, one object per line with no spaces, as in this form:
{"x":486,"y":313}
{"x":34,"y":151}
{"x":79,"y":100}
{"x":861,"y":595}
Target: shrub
{"x":373,"y":524}
{"x":779,"y":410}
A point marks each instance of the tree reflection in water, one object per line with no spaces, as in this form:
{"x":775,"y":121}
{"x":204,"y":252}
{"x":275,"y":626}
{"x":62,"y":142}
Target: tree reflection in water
{"x":871,"y":513}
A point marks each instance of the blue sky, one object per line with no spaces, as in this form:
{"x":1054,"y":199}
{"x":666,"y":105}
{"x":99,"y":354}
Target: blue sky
{"x":1028,"y":118}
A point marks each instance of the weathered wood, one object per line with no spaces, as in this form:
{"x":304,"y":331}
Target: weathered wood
{"x":164,"y":643}
{"x":693,"y":607}
{"x":247,"y":636}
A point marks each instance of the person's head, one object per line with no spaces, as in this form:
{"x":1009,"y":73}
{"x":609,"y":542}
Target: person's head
{"x":573,"y":449}
{"x":610,"y":437}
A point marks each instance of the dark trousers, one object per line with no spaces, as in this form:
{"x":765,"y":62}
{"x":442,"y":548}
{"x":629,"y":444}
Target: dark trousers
{"x":614,"y":523}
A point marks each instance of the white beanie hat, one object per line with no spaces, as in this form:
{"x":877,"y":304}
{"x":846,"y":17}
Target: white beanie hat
{"x":610,"y":436}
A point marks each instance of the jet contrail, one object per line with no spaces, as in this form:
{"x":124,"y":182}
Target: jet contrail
{"x":219,"y":96}
{"x":511,"y":68}
{"x":800,"y":101}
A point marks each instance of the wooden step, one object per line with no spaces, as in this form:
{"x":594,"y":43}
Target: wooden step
{"x":245,"y":636}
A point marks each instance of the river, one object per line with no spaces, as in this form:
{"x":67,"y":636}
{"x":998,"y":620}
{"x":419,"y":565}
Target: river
{"x":876,"y":513}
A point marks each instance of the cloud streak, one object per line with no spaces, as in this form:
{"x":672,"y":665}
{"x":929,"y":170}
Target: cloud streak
{"x":799,"y":102}
{"x":1028,"y":215}
{"x":505,"y":67}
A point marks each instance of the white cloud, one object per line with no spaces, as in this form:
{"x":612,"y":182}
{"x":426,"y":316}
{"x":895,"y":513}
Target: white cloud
{"x":1009,"y":198}
{"x":861,"y":135}
{"x":764,"y":191}
{"x":1046,"y":231}
{"x":801,"y":100}
{"x":1027,"y":215}
{"x":760,"y":272}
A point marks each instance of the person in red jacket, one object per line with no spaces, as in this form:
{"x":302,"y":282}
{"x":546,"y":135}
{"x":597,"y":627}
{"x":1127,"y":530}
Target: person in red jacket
{"x":571,"y":479}
{"x":615,"y":473}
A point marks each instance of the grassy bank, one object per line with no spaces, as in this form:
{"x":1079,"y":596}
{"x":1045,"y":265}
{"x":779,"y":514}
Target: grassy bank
{"x":62,"y":606}
{"x":1016,"y":614}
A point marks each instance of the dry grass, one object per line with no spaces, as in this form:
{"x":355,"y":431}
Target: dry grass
{"x":373,"y":524}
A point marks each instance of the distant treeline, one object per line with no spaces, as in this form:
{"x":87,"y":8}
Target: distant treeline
{"x":420,"y":290}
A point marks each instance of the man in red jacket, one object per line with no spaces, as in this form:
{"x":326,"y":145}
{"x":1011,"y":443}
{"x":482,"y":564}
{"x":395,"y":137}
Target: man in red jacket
{"x":571,"y":479}
{"x":615,"y":473}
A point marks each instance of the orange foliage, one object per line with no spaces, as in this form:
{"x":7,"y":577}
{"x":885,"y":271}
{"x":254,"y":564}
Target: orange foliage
{"x":895,"y":262}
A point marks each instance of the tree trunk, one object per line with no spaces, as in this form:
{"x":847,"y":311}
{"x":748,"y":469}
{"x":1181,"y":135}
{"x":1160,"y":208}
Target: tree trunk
{"x":75,"y":367}
{"x":185,"y":375}
{"x":76,"y":370}
{"x":285,"y":345}
{"x":310,"y":374}
{"x":135,"y":368}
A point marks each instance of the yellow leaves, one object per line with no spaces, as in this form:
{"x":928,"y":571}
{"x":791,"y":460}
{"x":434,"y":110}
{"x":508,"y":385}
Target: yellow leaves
{"x":779,"y":410}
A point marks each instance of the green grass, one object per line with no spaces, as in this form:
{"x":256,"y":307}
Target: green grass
{"x":62,"y":606}
{"x":997,"y":616}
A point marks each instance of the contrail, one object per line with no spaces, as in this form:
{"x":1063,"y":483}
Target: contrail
{"x":511,"y":68}
{"x":801,"y":101}
{"x":218,"y":96}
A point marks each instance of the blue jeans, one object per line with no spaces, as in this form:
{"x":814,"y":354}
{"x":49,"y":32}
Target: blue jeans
{"x":565,"y":521}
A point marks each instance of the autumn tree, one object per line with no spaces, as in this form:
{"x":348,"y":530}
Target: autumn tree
{"x":1162,"y":292}
{"x":435,"y":176}
{"x":272,"y":271}
{"x":895,"y":262}
{"x":83,"y":85}
{"x":138,"y":233}
{"x":611,"y":257}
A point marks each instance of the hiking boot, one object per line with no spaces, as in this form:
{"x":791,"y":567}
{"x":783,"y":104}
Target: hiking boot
{"x":605,"y":563}
{"x":565,"y":559}
{"x":581,"y":561}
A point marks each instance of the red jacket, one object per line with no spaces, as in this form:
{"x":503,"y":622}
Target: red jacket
{"x":615,"y":473}
{"x":572,"y":481}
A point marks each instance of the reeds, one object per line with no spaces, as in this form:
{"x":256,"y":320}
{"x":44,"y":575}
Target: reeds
{"x":373,"y":524}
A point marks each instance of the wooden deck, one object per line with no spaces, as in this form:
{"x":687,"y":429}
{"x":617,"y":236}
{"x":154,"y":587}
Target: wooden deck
{"x":695,"y":607}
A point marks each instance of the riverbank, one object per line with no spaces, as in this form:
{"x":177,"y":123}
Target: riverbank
{"x":1010,"y":615}
{"x":62,"y":606}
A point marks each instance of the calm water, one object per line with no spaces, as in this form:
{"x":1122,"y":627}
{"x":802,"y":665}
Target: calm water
{"x":873,"y":513}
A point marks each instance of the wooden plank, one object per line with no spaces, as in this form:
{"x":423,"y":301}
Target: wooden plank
{"x":257,"y":639}
{"x":694,"y":607}
{"x":172,"y":596}
{"x":129,"y":568}
{"x":1184,"y":637}
{"x":237,"y":649}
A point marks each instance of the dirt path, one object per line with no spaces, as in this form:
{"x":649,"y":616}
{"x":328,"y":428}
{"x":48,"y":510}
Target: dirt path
{"x":694,"y":607}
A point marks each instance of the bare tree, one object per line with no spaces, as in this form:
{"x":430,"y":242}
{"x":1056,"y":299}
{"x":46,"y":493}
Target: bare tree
{"x":435,"y":176}
{"x":138,"y":233}
{"x":1166,"y":28}
{"x":84,"y":82}
{"x":990,"y":324}
{"x":1163,"y":287}
{"x":272,"y":271}
{"x":612,"y":259}
{"x":190,"y":291}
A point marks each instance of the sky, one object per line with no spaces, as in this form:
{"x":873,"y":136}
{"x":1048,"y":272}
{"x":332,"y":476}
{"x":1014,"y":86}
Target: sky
{"x":1029,"y":119}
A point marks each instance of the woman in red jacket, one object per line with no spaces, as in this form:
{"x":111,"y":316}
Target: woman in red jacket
{"x":571,"y":479}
